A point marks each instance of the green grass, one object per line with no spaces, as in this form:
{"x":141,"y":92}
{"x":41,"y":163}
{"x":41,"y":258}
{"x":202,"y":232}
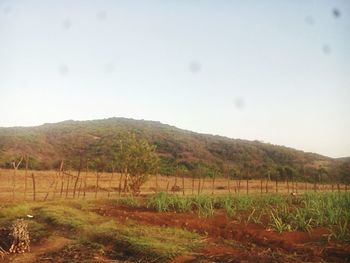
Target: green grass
{"x":74,"y":220}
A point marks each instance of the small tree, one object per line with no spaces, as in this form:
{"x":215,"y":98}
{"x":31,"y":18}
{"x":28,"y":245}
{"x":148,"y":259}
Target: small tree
{"x":138,"y":159}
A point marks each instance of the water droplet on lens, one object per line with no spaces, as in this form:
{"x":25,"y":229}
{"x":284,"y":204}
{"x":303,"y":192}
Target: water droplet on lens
{"x":195,"y":66}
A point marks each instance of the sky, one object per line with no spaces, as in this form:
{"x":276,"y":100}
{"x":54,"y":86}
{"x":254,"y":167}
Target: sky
{"x":273,"y":71}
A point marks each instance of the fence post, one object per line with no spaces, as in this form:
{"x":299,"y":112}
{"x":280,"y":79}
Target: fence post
{"x":34,"y":193}
{"x":192,"y":183}
{"x":97,"y":181}
{"x":67,"y":187}
{"x":213,"y":185}
{"x":183,"y":184}
{"x":199,"y":185}
{"x":77,"y":179}
{"x":25,"y":179}
{"x":120,"y":183}
{"x":276,"y":185}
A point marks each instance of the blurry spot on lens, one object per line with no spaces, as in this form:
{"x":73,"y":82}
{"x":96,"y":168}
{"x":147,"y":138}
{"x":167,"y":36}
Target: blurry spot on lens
{"x":195,"y":66}
{"x":102,"y":15}
{"x":6,"y":10}
{"x":326,"y":49}
{"x":336,"y":12}
{"x":66,"y":24}
{"x":239,"y":103}
{"x":309,"y":20}
{"x":108,"y":67}
{"x":63,"y":70}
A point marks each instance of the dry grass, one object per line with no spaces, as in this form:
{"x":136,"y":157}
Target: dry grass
{"x":50,"y":185}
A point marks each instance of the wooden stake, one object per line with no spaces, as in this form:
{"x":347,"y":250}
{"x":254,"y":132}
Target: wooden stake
{"x":97,"y":184}
{"x":199,"y":186}
{"x":77,"y":178}
{"x":25,"y":179}
{"x":34,"y":193}
{"x":15,"y":167}
{"x":120,"y":183}
{"x":213,"y":185}
{"x":110,"y":182}
{"x":276,"y":186}
{"x":247,"y":186}
{"x":183,"y":184}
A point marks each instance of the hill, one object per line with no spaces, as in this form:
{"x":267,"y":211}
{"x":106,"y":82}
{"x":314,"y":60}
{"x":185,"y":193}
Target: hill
{"x":47,"y":144}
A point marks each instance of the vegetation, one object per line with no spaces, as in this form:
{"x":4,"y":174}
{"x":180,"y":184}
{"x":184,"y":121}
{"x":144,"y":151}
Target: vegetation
{"x":283,"y":213}
{"x":77,"y":222}
{"x":104,"y":143}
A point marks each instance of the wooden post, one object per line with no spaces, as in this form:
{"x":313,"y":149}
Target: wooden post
{"x":276,"y":185}
{"x":15,"y":167}
{"x":175,"y":183}
{"x":266,"y":186}
{"x":48,"y":191}
{"x":183,"y":184}
{"x":34,"y":193}
{"x":80,"y":185}
{"x":62,"y":184}
{"x":25,"y":179}
{"x":228,"y":183}
{"x":247,"y":186}
{"x":58,"y":175}
{"x":296,"y":186}
{"x":338,"y":186}
{"x":199,"y":185}
{"x":77,"y":179}
{"x":287,"y":186}
{"x":213,"y":185}
{"x":110,"y":182}
{"x":157,"y":182}
{"x":261,"y":186}
{"x":97,"y":184}
{"x":85,"y":177}
{"x":192,"y":183}
{"x":67,"y":187}
{"x":120,"y":183}
{"x":203,"y":183}
{"x":167,"y":186}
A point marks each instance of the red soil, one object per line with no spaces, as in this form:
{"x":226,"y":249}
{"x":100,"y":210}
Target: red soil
{"x":231,"y":241}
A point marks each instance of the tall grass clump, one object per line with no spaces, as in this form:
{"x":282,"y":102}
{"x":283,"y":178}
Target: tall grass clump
{"x":204,"y":204}
{"x":161,"y":202}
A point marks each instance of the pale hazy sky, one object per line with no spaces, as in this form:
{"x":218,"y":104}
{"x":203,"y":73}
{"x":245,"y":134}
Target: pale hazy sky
{"x":276,"y":71}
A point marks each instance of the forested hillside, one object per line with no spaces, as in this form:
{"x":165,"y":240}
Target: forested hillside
{"x":179,"y":150}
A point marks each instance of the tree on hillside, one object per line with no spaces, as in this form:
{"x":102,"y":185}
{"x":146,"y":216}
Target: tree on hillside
{"x":137,"y":159}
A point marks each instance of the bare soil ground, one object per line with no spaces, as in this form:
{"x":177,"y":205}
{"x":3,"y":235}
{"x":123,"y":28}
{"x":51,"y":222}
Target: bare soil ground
{"x":232,"y":241}
{"x":225,"y":239}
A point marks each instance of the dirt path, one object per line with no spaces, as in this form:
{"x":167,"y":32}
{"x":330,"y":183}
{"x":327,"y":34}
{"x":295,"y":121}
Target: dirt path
{"x":54,"y":243}
{"x":232,"y":241}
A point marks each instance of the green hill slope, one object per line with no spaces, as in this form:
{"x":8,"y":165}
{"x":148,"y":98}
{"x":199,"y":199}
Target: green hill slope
{"x":49,"y":143}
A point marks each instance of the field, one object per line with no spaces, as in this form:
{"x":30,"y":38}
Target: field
{"x":51,"y":185}
{"x":161,"y":225}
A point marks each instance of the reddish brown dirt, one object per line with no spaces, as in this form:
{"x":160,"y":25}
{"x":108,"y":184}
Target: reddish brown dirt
{"x":231,"y":241}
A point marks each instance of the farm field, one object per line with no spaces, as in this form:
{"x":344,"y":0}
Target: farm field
{"x":51,"y":185}
{"x":164,"y":227}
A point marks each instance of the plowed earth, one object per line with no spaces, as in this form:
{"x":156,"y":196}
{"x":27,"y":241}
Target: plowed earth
{"x":228,"y":240}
